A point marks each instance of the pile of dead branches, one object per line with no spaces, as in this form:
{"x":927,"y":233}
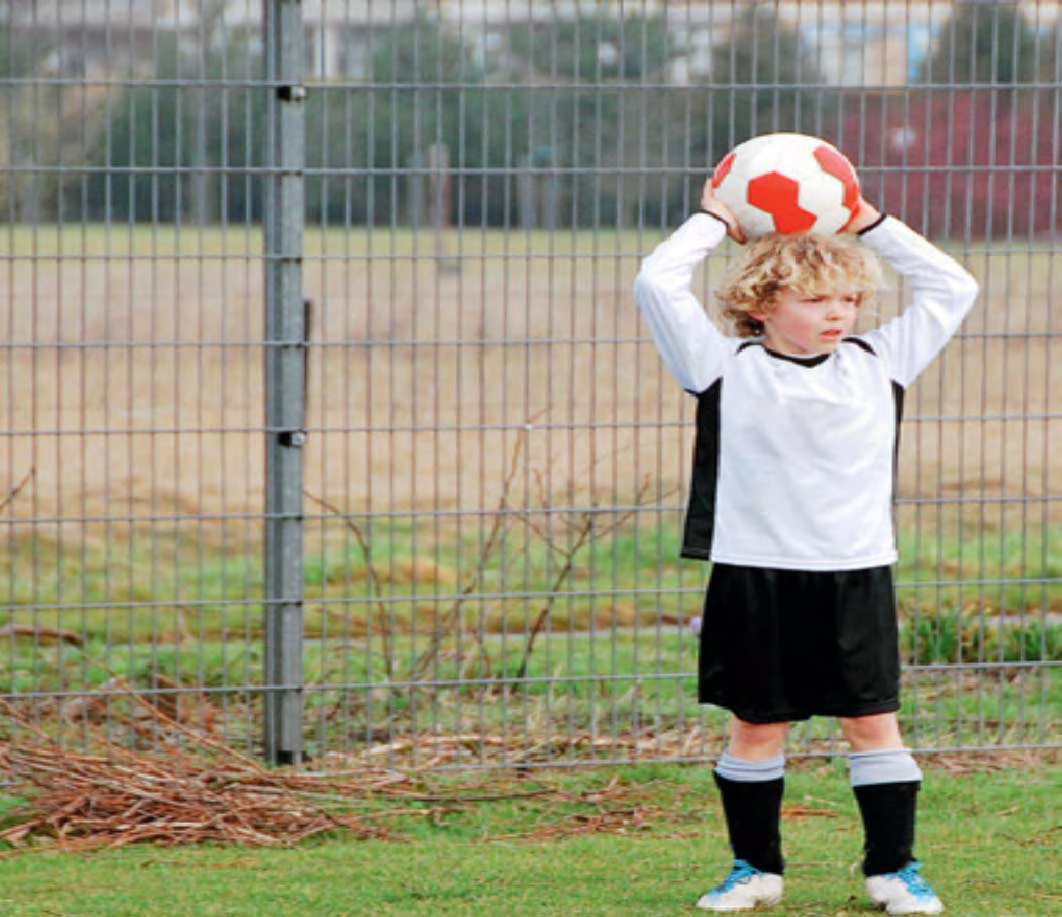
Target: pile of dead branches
{"x":83,"y":802}
{"x":192,"y":788}
{"x":173,"y":797}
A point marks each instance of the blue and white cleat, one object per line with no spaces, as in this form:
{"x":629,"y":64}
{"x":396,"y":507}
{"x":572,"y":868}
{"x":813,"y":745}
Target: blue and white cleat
{"x":903,"y":892}
{"x":745,"y":889}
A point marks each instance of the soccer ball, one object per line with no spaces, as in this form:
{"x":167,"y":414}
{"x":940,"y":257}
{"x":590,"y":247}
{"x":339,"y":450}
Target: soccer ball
{"x":787,"y":183}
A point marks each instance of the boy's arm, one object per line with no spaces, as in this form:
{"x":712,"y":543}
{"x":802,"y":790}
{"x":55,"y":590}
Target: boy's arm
{"x":691,"y":347}
{"x":944,"y":292}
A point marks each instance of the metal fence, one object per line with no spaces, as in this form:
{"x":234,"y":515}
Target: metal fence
{"x":327,"y":422}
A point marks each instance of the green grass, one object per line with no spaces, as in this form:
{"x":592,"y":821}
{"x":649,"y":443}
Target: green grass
{"x":122,"y":238}
{"x":578,"y":686}
{"x":205,"y":589}
{"x":612,"y":623}
{"x":189,"y":241}
{"x":988,"y":839}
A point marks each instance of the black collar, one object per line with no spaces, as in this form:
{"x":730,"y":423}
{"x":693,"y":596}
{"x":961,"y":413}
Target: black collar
{"x":789,"y":358}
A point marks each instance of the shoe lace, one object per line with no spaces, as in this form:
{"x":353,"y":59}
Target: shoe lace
{"x":911,"y":877}
{"x":740,"y":874}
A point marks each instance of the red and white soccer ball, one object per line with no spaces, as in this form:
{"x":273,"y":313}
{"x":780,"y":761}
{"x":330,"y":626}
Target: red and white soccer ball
{"x":787,"y":183}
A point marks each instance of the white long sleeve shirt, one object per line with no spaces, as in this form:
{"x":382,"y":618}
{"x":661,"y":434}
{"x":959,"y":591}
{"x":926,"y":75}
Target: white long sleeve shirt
{"x":794,"y":466}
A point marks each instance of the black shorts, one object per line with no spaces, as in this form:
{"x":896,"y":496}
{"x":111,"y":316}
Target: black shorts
{"x":782,"y":645}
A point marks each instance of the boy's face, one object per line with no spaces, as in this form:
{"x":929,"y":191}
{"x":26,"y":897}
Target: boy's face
{"x":804,"y":324}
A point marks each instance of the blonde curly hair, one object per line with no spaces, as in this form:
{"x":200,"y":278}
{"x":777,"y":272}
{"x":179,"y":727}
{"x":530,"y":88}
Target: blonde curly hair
{"x":802,"y":262}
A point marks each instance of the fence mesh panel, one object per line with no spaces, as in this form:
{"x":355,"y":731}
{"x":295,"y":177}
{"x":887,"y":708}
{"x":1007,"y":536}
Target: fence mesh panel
{"x":495,"y":461}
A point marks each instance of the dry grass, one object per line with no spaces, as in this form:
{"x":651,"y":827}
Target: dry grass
{"x":422,"y":376}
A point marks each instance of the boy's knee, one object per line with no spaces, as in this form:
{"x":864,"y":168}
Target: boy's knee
{"x":756,"y":741}
{"x":868,"y":733}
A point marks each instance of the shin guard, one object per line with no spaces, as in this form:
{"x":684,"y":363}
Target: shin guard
{"x":753,"y":813}
{"x":888,"y":811}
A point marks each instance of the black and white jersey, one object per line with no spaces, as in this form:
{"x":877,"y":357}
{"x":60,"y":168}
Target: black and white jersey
{"x":795,"y":457}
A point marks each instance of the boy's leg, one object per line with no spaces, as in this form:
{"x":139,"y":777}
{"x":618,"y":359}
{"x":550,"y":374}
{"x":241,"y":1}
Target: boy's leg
{"x":886,"y":781}
{"x":749,"y":775}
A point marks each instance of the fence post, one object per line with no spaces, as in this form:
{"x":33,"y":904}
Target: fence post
{"x":285,"y":362}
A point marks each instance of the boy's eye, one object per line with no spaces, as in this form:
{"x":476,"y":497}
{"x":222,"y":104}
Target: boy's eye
{"x":817,"y":299}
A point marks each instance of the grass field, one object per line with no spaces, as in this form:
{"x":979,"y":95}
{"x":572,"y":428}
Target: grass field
{"x":644,"y":841}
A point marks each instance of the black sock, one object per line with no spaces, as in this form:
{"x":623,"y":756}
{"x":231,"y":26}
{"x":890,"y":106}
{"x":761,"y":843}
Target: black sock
{"x":888,"y":811}
{"x":753,"y":813}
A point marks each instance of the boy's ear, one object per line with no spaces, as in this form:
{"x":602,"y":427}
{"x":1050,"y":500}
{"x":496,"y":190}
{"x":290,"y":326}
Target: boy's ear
{"x":766,"y":304}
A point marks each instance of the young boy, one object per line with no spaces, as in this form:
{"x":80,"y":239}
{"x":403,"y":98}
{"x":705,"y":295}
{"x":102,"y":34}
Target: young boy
{"x":791,"y":501}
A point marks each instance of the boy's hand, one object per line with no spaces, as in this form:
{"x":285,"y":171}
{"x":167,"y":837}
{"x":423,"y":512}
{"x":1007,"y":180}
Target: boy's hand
{"x":715,"y":206}
{"x":866,"y":215}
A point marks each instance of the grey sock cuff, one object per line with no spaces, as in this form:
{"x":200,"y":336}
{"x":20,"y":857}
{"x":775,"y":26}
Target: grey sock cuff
{"x":741,"y":771}
{"x":890,"y":765}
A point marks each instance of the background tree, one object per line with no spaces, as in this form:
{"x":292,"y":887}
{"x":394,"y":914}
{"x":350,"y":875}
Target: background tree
{"x":207,"y":133}
{"x":14,"y":109}
{"x":991,"y":43}
{"x":585,"y":103}
{"x":591,"y":49}
{"x":766,"y":79}
{"x":438,"y":95}
{"x":46,"y":124}
{"x":763,"y":79}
